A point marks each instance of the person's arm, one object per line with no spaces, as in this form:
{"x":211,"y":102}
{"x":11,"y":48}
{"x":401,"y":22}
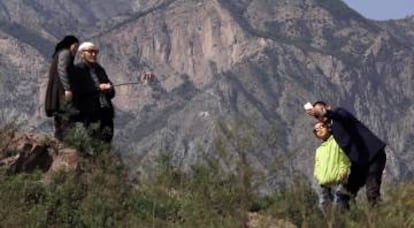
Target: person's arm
{"x":106,"y":86}
{"x":316,"y":168}
{"x":339,"y":114}
{"x":344,"y":166}
{"x":111,"y":92}
{"x":64,"y":60}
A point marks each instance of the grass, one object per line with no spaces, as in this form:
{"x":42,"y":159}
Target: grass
{"x":100,"y":194}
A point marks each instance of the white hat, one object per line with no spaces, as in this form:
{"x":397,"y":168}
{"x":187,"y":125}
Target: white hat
{"x":87,"y":46}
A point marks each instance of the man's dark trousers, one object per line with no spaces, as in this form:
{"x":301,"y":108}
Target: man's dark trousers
{"x":370,"y":176}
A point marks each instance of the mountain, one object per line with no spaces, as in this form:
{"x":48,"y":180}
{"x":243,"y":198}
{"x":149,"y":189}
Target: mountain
{"x":228,"y":72}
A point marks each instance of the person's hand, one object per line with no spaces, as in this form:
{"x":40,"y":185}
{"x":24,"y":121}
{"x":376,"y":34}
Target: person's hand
{"x":317,"y":112}
{"x":68,"y":94}
{"x":311,"y":112}
{"x":105,"y":86}
{"x":342,"y":177}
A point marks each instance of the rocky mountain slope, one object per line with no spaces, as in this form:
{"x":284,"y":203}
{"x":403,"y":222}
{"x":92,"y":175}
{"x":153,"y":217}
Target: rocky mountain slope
{"x":245,"y":66}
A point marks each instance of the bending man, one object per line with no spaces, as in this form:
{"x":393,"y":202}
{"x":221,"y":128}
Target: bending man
{"x":364,"y":149}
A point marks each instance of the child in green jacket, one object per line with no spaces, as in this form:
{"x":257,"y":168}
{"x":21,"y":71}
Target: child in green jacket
{"x":332,"y":168}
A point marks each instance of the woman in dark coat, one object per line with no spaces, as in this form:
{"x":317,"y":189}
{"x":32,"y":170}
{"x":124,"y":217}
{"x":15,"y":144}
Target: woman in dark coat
{"x":93,"y":93}
{"x":59,"y":88}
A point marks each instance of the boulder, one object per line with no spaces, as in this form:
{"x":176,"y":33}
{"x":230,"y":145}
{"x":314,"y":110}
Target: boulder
{"x":24,"y":152}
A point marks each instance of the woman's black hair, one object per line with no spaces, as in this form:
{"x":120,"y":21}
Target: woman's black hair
{"x":65,"y":43}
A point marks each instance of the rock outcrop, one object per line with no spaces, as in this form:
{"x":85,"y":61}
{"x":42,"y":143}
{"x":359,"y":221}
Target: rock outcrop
{"x":22,"y":152}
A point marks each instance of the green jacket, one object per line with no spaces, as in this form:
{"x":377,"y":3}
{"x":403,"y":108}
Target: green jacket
{"x":332,"y":166}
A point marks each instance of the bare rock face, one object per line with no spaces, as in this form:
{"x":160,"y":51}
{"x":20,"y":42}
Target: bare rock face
{"x":29,"y":152}
{"x":18,"y":92}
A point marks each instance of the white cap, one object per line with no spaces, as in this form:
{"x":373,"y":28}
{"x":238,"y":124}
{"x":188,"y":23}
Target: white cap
{"x":87,"y":46}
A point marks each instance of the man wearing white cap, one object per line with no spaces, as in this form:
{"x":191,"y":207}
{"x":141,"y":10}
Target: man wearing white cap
{"x":93,"y":93}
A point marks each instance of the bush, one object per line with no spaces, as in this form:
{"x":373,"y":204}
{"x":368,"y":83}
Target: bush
{"x":297,"y":203}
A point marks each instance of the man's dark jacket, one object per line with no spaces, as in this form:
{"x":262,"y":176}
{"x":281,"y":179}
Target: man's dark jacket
{"x":86,"y":93}
{"x":358,"y":142}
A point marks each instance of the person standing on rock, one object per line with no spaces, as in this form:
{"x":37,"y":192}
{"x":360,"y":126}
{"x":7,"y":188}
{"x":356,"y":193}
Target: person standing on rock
{"x":59,"y":89}
{"x":365,"y":150}
{"x":93,"y":93}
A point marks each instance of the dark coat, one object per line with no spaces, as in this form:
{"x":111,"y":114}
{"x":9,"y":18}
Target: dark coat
{"x":358,"y":142}
{"x":55,"y":91}
{"x":87,"y":95}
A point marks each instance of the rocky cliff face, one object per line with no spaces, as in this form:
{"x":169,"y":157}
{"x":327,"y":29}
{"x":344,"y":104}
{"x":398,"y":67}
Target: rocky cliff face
{"x":249,"y":65}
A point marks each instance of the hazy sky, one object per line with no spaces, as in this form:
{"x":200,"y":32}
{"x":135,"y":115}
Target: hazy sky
{"x":382,"y":9}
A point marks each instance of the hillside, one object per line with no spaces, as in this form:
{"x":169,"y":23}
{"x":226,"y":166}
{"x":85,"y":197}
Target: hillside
{"x":249,"y":65}
{"x":95,"y":191}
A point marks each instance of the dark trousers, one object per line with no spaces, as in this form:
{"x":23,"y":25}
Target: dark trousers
{"x":100,"y":125}
{"x":106,"y":130}
{"x":62,"y":126}
{"x":370,"y":176}
{"x":65,"y":118}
